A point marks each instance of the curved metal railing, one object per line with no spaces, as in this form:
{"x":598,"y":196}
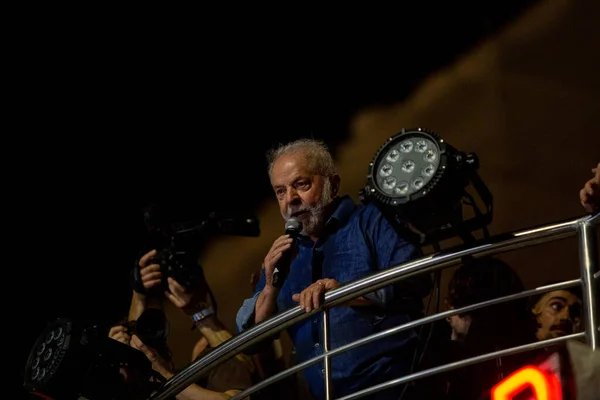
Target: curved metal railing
{"x":584,"y":228}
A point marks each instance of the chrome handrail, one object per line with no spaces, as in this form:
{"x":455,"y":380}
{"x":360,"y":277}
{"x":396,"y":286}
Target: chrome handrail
{"x":520,"y":239}
{"x":460,"y":364}
{"x":588,"y":258}
{"x":403,"y":327}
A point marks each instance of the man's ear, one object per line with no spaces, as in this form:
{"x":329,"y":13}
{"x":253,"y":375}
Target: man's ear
{"x":335,"y":184}
{"x":536,"y":309}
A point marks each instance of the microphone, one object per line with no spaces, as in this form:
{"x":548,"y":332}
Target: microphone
{"x":293,"y":227}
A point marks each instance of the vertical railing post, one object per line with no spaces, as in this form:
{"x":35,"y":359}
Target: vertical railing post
{"x":588,"y":261}
{"x":326,"y":360}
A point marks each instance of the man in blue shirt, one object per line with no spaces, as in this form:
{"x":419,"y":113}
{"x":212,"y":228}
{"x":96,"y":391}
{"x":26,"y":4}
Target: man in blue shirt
{"x":340,"y":242}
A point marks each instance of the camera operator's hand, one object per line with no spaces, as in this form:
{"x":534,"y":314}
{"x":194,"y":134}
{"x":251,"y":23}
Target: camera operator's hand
{"x":150,"y":278}
{"x":119,"y":333}
{"x":590,"y":194}
{"x":149,"y":271}
{"x":186,"y":299}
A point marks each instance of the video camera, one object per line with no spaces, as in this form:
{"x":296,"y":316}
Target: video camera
{"x":177,"y":242}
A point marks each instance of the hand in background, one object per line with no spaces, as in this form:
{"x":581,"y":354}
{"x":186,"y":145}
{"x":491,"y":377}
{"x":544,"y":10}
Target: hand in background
{"x":149,"y":270}
{"x":119,"y":333}
{"x":185,"y":299}
{"x":590,"y":194}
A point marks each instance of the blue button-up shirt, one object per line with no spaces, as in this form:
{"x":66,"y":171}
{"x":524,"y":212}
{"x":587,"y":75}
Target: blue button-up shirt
{"x":360,"y":241}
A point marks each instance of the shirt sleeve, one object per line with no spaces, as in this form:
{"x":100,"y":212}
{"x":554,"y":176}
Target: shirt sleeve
{"x":245,"y":315}
{"x":391,"y":249}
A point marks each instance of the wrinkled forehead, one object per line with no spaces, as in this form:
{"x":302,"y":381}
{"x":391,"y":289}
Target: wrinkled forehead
{"x":288,"y":168}
{"x":562,"y":295}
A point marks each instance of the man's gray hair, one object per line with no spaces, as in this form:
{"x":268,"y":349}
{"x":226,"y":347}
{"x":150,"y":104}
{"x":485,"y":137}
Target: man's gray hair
{"x":316,"y":153}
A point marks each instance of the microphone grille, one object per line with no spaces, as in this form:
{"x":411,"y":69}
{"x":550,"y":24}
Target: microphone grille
{"x":293,"y":224}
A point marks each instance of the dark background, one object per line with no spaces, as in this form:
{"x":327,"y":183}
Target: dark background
{"x":122,"y":120}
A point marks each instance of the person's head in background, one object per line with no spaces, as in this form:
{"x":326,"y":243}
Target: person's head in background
{"x":558,"y":313}
{"x":589,"y":195}
{"x":478,"y":280}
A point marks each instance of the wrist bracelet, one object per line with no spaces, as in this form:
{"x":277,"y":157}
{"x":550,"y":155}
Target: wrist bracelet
{"x":200,"y":315}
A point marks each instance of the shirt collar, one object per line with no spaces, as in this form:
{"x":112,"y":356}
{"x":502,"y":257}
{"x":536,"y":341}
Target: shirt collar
{"x":344,"y":208}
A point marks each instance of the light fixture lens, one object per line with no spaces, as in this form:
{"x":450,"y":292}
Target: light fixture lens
{"x":389,"y":183}
{"x":430,"y":155}
{"x":428,"y":170}
{"x":418,"y":183}
{"x":406,"y":146}
{"x":48,"y":354}
{"x":402,"y":188}
{"x":386,"y":170}
{"x":408,"y":166}
{"x":421,"y":146}
{"x":393,"y":156}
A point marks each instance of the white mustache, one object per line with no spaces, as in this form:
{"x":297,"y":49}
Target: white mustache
{"x":293,"y":211}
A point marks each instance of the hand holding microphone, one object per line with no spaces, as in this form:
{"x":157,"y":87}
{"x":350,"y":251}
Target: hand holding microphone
{"x":276,"y":269}
{"x":278,"y":260}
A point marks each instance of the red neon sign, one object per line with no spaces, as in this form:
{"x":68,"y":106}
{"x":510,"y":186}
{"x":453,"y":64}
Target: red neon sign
{"x":544,"y":386}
